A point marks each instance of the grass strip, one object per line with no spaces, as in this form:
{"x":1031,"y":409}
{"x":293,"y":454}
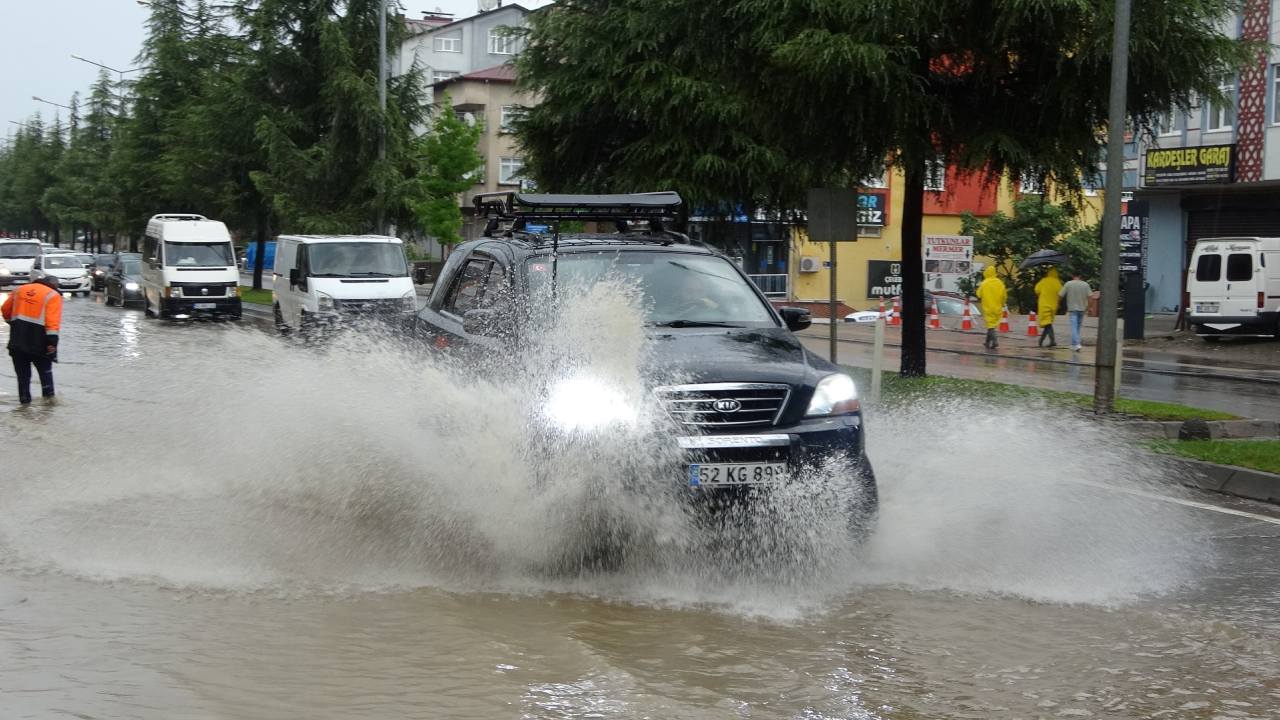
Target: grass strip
{"x":898,"y":390}
{"x":257,"y":297}
{"x":1255,"y":454}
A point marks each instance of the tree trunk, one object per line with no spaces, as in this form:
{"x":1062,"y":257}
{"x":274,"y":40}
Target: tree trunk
{"x":913,"y":328}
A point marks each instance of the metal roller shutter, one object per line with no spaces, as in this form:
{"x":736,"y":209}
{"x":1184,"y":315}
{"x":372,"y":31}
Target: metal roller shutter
{"x":1231,"y":222}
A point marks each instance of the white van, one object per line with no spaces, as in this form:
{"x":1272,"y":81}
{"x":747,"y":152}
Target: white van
{"x":189,"y":269}
{"x":16,"y":258}
{"x":323,"y":278}
{"x":1233,"y":286}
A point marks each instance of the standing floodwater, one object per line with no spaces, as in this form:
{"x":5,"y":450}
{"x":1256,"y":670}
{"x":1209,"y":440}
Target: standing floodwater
{"x":253,"y":528}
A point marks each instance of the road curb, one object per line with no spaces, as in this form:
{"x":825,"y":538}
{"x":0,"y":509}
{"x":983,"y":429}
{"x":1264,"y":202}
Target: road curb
{"x":1232,"y":480}
{"x":1218,"y":429}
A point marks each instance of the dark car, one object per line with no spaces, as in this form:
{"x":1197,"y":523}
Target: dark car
{"x":98,"y":273}
{"x":752,"y":406}
{"x":123,"y":283}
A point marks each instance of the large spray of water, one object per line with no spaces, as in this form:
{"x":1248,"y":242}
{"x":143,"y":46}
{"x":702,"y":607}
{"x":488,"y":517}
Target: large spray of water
{"x":223,"y":457}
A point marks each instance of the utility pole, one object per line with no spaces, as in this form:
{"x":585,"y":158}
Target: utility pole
{"x":382,"y":108}
{"x":1106,"y":377}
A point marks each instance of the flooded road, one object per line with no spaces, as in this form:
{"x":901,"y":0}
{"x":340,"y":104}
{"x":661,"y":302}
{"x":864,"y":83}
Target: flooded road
{"x":212,"y":523}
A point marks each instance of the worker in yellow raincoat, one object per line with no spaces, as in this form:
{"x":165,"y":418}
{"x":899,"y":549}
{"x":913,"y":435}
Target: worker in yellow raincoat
{"x":992,"y":295}
{"x":1047,"y":306}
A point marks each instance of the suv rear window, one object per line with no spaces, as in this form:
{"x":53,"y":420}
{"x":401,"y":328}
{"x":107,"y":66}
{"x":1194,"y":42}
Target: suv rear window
{"x":1239,"y":267}
{"x":1209,"y":268}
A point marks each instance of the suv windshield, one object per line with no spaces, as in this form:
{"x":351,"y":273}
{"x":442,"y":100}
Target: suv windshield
{"x":19,"y":250}
{"x":131,"y":267}
{"x":678,"y":289}
{"x":62,"y":262}
{"x":214,"y":254}
{"x":356,"y":259}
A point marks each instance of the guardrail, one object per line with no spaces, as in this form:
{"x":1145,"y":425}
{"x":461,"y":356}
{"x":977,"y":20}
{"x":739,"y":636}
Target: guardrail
{"x":773,"y":286}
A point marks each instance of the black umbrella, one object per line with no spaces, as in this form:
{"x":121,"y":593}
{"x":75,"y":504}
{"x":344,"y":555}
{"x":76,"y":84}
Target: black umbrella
{"x":1043,"y":257}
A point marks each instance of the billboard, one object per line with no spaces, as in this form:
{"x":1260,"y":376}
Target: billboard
{"x":947,"y":259}
{"x":884,"y":278}
{"x":1189,"y":165}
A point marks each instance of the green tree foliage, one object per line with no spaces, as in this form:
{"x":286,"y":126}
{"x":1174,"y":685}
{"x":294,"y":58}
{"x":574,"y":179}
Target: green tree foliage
{"x":784,"y":95}
{"x":449,"y":154}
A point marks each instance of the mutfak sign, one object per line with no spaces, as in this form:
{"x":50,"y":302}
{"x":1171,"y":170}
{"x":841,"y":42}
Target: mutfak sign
{"x":1190,"y":165}
{"x":884,"y":278}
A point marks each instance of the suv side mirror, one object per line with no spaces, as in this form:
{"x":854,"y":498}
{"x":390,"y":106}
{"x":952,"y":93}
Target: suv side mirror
{"x":796,"y":318}
{"x":486,"y":322}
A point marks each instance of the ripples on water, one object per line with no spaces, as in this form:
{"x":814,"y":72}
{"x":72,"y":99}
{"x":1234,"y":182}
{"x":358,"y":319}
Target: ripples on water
{"x":221,"y":457}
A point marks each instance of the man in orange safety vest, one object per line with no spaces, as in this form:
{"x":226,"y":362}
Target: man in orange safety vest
{"x":34,"y":314}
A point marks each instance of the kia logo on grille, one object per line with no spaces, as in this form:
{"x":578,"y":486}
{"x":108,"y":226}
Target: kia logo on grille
{"x":727,"y":406}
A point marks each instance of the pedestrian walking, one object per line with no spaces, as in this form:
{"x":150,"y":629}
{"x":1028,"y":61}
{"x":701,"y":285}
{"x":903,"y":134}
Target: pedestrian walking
{"x":34,"y":314}
{"x":1076,"y":291}
{"x":1047,"y":293}
{"x":992,"y":295}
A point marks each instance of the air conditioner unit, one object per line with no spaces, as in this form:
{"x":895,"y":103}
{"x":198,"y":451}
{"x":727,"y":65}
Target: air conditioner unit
{"x":810,"y":264}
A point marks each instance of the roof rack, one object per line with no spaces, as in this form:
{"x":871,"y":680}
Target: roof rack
{"x":529,"y":206}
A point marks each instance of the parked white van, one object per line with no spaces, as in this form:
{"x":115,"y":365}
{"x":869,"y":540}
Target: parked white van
{"x":16,"y":258}
{"x":189,"y":269}
{"x":319,"y":279}
{"x":1233,"y":286}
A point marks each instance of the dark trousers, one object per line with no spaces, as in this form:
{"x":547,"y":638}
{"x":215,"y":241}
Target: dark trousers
{"x":22,"y":363}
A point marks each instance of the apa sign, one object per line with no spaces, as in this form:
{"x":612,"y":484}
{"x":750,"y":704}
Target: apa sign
{"x":1135,"y":234}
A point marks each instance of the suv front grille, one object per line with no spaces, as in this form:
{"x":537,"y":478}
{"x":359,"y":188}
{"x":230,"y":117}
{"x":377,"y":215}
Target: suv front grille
{"x":725,"y":405}
{"x":198,"y":290}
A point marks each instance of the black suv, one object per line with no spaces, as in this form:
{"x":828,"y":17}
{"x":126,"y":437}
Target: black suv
{"x":754,"y":407}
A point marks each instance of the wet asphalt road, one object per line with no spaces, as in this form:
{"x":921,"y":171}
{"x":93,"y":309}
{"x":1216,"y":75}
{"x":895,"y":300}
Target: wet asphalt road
{"x":230,"y":533}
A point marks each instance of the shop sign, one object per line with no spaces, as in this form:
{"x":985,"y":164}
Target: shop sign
{"x":1135,"y":236}
{"x":1190,"y":165}
{"x":873,"y":208}
{"x":947,"y":259}
{"x":884,"y":278}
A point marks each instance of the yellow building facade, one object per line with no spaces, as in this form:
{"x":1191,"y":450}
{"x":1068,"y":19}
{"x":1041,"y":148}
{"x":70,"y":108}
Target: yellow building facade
{"x":810,"y":281}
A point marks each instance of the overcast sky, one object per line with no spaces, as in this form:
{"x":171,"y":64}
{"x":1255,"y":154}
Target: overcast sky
{"x":38,"y":37}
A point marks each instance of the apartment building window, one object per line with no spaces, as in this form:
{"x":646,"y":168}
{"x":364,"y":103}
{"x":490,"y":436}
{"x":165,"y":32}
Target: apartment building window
{"x":448,"y":44}
{"x":1222,"y":115}
{"x":935,"y":175}
{"x":1275,"y":94}
{"x":509,"y":169}
{"x":501,"y":43}
{"x":511,"y":114}
{"x":438,"y":76}
{"x":1030,"y":184}
{"x":1166,"y":123}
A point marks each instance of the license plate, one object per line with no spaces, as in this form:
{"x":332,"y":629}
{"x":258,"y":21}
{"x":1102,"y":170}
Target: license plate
{"x":1206,"y":307}
{"x":717,"y":474}
{"x":204,"y":306}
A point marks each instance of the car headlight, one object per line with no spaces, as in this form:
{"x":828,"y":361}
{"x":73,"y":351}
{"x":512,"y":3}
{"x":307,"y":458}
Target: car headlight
{"x":173,"y":292}
{"x":233,"y":291}
{"x":4,"y":270}
{"x":131,"y":286}
{"x":325,"y":302}
{"x":410,"y":300}
{"x":835,"y":395}
{"x":585,"y":403}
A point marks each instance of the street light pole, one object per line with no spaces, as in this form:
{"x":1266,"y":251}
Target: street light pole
{"x":382,"y":109}
{"x":119,"y":74}
{"x":1106,"y":377}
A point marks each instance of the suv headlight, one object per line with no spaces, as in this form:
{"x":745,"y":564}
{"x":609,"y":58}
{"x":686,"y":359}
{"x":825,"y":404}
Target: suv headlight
{"x":131,"y":286}
{"x":325,"y":303}
{"x":4,"y":270}
{"x":835,"y":395}
{"x":578,"y":404}
{"x":410,"y":301}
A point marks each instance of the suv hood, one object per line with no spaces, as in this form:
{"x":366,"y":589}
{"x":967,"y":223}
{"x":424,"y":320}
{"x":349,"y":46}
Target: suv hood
{"x":697,"y":355}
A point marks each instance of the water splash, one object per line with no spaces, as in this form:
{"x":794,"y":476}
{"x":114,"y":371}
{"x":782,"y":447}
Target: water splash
{"x":223,"y":458}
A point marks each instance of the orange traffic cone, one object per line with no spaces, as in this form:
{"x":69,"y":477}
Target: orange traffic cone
{"x":1004,"y":320}
{"x":896,"y":317}
{"x":935,"y":323}
{"x":967,"y":322}
{"x":882,"y":315}
{"x":1033,"y":328}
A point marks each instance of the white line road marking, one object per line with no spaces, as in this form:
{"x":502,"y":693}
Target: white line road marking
{"x":1181,"y":501}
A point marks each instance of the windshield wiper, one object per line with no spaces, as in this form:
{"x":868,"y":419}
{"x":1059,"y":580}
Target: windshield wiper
{"x":374,"y":274}
{"x":695,"y":323}
{"x":316,"y":275}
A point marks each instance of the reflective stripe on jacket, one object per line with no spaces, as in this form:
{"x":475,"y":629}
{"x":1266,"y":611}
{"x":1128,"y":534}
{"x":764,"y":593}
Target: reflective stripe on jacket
{"x":34,"y":314}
